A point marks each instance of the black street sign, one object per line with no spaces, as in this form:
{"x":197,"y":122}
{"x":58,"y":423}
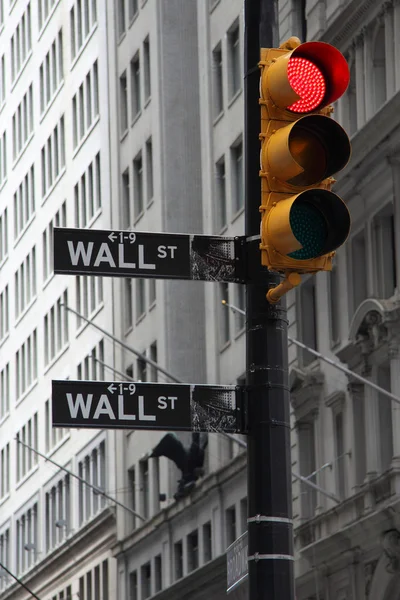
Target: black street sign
{"x":165,"y":406}
{"x":154,"y":255}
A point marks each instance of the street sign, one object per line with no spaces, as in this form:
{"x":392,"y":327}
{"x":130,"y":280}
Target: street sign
{"x":236,"y":562}
{"x":150,"y":255}
{"x":165,"y":406}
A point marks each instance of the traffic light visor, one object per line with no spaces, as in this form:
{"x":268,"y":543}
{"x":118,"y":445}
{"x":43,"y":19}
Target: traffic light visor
{"x":308,"y":78}
{"x":308,"y":225}
{"x":306,"y":152}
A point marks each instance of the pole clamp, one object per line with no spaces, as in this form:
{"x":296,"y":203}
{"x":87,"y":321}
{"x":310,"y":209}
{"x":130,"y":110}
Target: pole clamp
{"x":260,"y":518}
{"x":256,"y":557}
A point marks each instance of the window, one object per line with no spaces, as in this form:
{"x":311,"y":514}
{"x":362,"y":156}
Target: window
{"x":27,"y":459}
{"x":385,"y":418}
{"x":4,"y":391}
{"x":4,"y":471}
{"x":152,"y":292}
{"x":220,"y":205}
{"x":83,"y":17}
{"x":149,"y":170}
{"x":218,"y":80}
{"x":91,"y":367}
{"x":133,"y":586}
{"x":2,"y":78}
{"x":51,"y":72}
{"x":4,"y":313}
{"x":22,"y":123}
{"x":144,"y":488}
{"x":379,"y":68}
{"x":3,"y":233}
{"x":385,"y":252}
{"x":26,"y":365}
{"x":94,"y":584}
{"x":178,"y":559}
{"x":230,"y":525}
{"x":147,"y":69}
{"x":237,"y":177}
{"x":358,"y":269}
{"x":339,"y":454}
{"x":145,"y":572}
{"x":24,"y":202}
{"x":57,"y":513}
{"x":25,"y":283}
{"x":89,"y":296}
{"x":193,"y":550}
{"x":243,"y":515}
{"x":59,"y":220}
{"x":225,"y":334}
{"x":157,"y":573}
{"x":3,"y":158}
{"x":53,"y":157}
{"x":123,"y":100}
{"x":334,"y":305}
{"x":207,"y":542}
{"x":133,"y":9}
{"x":154,"y":358}
{"x":240,"y":302}
{"x":128,"y":306}
{"x":138,"y":186}
{"x":307,"y":319}
{"x":140,"y":298}
{"x":26,"y":526}
{"x":121,"y":17}
{"x":135,"y":86}
{"x":56,"y":329}
{"x":91,"y":468}
{"x":234,"y":67}
{"x":306,"y":439}
{"x":53,"y":435}
{"x":132,"y":490}
{"x":44,"y":9}
{"x":87,"y":194}
{"x":85,"y":106}
{"x":5,"y":553}
{"x":21,"y":43}
{"x":126,"y":201}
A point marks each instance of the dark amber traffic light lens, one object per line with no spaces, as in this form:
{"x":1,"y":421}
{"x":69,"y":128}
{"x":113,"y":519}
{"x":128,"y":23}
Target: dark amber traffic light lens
{"x":307,"y":80}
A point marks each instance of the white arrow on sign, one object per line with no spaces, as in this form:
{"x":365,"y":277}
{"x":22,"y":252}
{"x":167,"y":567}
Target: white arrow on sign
{"x":111,"y":388}
{"x":112,"y":236}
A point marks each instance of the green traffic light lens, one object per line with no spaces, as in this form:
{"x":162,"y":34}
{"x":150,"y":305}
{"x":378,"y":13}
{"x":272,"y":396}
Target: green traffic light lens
{"x":310,"y":229}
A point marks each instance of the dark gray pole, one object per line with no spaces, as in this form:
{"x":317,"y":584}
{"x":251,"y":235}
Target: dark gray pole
{"x":270,"y":528}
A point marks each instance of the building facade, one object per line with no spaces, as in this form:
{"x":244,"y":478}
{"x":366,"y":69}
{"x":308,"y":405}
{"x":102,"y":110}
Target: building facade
{"x":129,"y":115}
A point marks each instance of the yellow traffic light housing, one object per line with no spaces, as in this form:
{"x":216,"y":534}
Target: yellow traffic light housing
{"x":303,"y":222}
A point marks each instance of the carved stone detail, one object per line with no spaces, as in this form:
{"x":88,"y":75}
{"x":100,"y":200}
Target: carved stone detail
{"x":391,"y":548}
{"x":369,"y":570}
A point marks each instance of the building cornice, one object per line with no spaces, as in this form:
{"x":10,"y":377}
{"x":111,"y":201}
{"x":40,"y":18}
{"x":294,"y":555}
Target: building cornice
{"x":350,"y":22}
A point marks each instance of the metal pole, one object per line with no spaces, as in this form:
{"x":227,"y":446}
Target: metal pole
{"x":270,"y":526}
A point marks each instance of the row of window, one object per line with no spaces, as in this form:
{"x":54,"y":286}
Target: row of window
{"x":234,"y":191}
{"x":26,"y":358}
{"x":137,"y":186}
{"x":130,"y":94}
{"x":83,"y":18}
{"x":87,"y":197}
{"x":23,"y":549}
{"x":229,"y":54}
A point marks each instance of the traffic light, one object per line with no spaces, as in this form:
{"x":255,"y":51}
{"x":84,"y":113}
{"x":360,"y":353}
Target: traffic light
{"x":302,"y":222}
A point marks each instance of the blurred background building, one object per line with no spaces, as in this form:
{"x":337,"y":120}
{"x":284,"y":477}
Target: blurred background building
{"x":129,"y":114}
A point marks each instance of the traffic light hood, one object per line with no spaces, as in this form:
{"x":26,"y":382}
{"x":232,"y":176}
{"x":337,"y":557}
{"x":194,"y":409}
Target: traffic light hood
{"x":308,"y":78}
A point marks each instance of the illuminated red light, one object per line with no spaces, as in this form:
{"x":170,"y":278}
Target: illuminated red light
{"x":308,"y":82}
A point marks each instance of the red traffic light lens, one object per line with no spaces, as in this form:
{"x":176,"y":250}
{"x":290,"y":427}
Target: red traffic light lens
{"x":307,"y":80}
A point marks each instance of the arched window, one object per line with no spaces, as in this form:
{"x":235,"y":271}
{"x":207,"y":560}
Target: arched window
{"x":379,"y":68}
